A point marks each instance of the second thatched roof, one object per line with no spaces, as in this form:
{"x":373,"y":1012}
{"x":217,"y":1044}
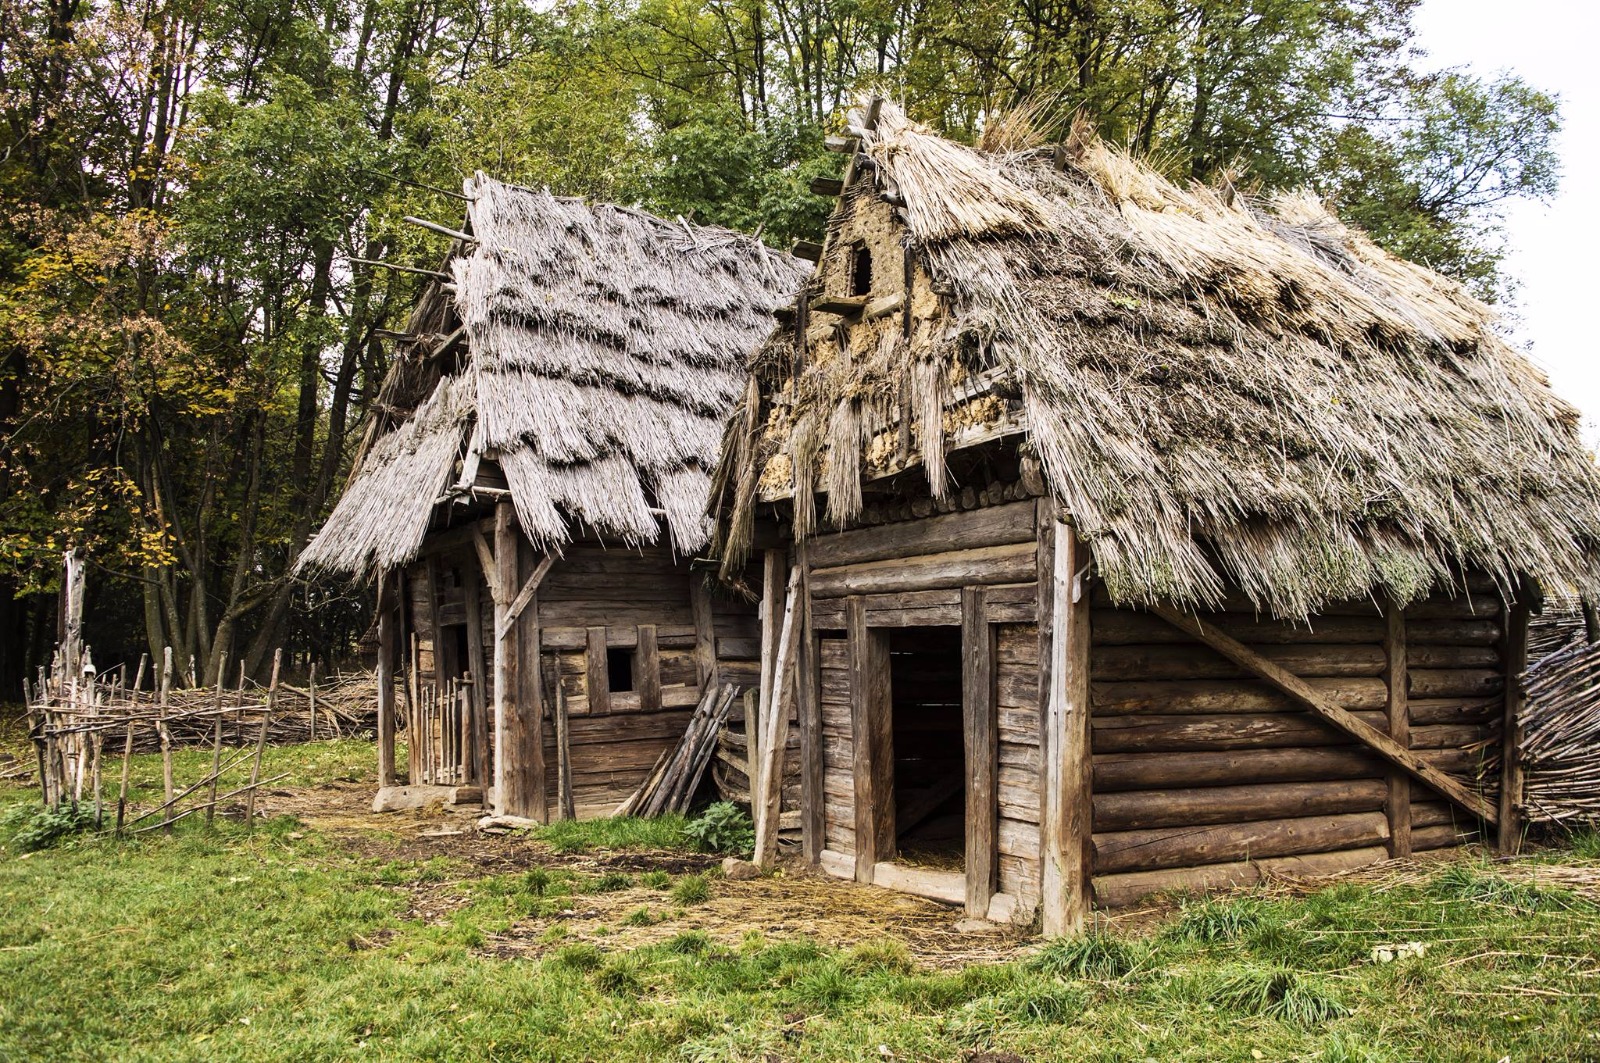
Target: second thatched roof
{"x":591,"y":351}
{"x":1222,"y":392}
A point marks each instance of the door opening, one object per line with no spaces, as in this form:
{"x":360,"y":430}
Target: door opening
{"x":930,"y":771}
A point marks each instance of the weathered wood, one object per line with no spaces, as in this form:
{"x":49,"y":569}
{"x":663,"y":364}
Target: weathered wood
{"x":948,"y":887}
{"x":531,"y":795}
{"x":1149,"y":771}
{"x":563,"y":756}
{"x":1213,"y":696}
{"x":808,"y":707}
{"x":478,"y":730}
{"x":261,"y":739}
{"x":871,"y":725}
{"x":1186,"y":846}
{"x":1144,"y":809}
{"x":776,"y":699}
{"x":770,"y":611}
{"x":501,"y":573}
{"x":992,"y":564}
{"x":598,"y":671}
{"x":1168,"y":662}
{"x":387,"y":645}
{"x":1066,"y":816}
{"x":1398,"y":797}
{"x":1116,"y":627}
{"x":166,"y":735}
{"x":1364,"y":732}
{"x":647,"y":669}
{"x":1121,"y":890}
{"x":1168,"y":734}
{"x":1508,"y":838}
{"x":995,"y":526}
{"x":530,"y":587}
{"x":981,"y":740}
{"x":705,"y":634}
{"x":430,"y":597}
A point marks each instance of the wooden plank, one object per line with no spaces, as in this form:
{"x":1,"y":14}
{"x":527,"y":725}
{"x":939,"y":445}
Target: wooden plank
{"x":991,"y":526}
{"x":948,"y":887}
{"x":1116,"y":627}
{"x":478,"y":754}
{"x":598,"y":671}
{"x":871,"y":725}
{"x":1398,"y":802}
{"x":775,"y":728}
{"x":770,"y":611}
{"x":486,"y":560}
{"x":960,"y":568}
{"x":1186,"y":846}
{"x":563,"y":756}
{"x":387,"y":640}
{"x":430,"y":597}
{"x":1509,"y":837}
{"x":1121,"y":890}
{"x":1149,"y":771}
{"x":504,"y":574}
{"x":979,"y":734}
{"x":1066,"y":851}
{"x":530,"y":786}
{"x":1170,"y":734}
{"x":705,"y":633}
{"x":809,"y":708}
{"x":1158,"y":661}
{"x":1145,"y":809}
{"x":1363,"y":732}
{"x":647,"y":669}
{"x":530,"y":587}
{"x":1211,"y":696}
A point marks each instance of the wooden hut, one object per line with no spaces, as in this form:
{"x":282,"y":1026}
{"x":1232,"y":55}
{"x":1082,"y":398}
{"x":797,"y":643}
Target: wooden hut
{"x":1168,"y":537}
{"x":533,"y":485}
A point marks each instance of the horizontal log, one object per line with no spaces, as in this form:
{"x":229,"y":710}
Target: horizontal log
{"x":1156,"y":661}
{"x":1154,"y":771}
{"x":1168,"y":734}
{"x":948,"y":887}
{"x":1427,"y":839}
{"x":1457,"y":683}
{"x":1175,"y":697}
{"x":1119,"y":891}
{"x":1138,"y":810}
{"x":1187,"y":846}
{"x":1455,"y":710}
{"x":1453,"y":632}
{"x":990,"y":526}
{"x":1117,"y":627}
{"x":960,"y":568}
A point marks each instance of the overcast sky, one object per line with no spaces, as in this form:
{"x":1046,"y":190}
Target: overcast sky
{"x":1555,"y":46}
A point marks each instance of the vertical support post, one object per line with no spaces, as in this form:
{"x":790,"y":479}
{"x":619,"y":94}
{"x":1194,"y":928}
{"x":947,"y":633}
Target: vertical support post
{"x":647,"y":669}
{"x":528,"y":787}
{"x":216,"y":744}
{"x":166,"y":736}
{"x":430,"y":595}
{"x":387,"y":641}
{"x":771,"y":614}
{"x":1398,"y":805}
{"x":502,"y":586}
{"x":705,"y":634}
{"x":872,"y":725}
{"x":599,"y":671}
{"x":478,"y":728}
{"x":808,"y":703}
{"x":311,"y":697}
{"x":1066,"y":812}
{"x":1511,"y":770}
{"x":775,"y":731}
{"x":563,"y":755}
{"x":981,"y":746}
{"x":261,"y":739}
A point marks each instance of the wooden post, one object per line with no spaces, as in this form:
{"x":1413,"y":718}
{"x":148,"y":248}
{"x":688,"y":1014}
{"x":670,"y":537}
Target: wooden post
{"x":387,"y":632}
{"x":770,"y":610}
{"x":216,"y":742}
{"x":479,"y":726}
{"x":809,"y":708}
{"x":775,"y":731}
{"x":705,"y":634}
{"x":165,"y":734}
{"x":872,"y":725}
{"x":1512,"y":820}
{"x":981,"y":745}
{"x":127,"y":762}
{"x":1398,"y":804}
{"x":430,"y":597}
{"x":501,"y":579}
{"x":1065,"y":813}
{"x":71,"y":623}
{"x":529,"y":796}
{"x":261,"y":740}
{"x":647,"y":669}
{"x":311,"y":696}
{"x":599,"y":672}
{"x":563,"y":755}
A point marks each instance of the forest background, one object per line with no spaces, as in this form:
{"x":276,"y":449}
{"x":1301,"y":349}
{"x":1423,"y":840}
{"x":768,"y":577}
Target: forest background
{"x":189,"y":336}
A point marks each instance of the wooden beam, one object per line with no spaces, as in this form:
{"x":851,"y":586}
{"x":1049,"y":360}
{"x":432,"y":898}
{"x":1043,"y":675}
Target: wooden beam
{"x":981,"y":742}
{"x":1065,"y":818}
{"x":529,"y":795}
{"x":599,"y":672}
{"x":775,"y":730}
{"x":647,"y":669}
{"x":705,"y":633}
{"x":1301,"y":692}
{"x":809,"y":250}
{"x":478,"y":754}
{"x":1398,"y":803}
{"x":808,"y":701}
{"x":871,"y":723}
{"x":430,"y":595}
{"x":387,"y":641}
{"x":530,"y":587}
{"x":1512,"y":776}
{"x":826,"y":186}
{"x":563,"y":756}
{"x":770,"y":612}
{"x":442,"y":230}
{"x":491,"y":569}
{"x":501,"y":571}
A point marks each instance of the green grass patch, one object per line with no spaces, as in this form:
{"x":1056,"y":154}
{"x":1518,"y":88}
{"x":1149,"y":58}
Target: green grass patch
{"x":618,"y":832}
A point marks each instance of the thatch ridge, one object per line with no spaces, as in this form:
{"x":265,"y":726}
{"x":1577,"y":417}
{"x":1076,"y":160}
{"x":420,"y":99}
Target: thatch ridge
{"x":604,"y":347}
{"x":1221,"y":391}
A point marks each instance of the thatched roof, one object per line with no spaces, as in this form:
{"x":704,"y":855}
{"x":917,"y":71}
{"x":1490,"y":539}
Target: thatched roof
{"x":1220,"y":390}
{"x":601,"y":349}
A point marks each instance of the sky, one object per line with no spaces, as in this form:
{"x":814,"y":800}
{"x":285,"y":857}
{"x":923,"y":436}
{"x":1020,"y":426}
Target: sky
{"x":1552,"y":45}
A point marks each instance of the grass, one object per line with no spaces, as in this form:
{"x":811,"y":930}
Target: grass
{"x":285,"y":944}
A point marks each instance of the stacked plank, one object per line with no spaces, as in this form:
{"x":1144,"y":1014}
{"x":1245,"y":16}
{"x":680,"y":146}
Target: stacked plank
{"x":1561,"y":737}
{"x":1198,"y":766}
{"x":672,"y":783}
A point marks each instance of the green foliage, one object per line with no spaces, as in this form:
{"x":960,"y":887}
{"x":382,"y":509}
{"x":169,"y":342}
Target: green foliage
{"x":722,"y":828}
{"x":620,"y":832}
{"x":1275,"y":992}
{"x":610,"y":882}
{"x":1096,"y":955}
{"x":1462,"y":883}
{"x":1212,"y":921}
{"x":691,"y":889}
{"x":29,"y":828}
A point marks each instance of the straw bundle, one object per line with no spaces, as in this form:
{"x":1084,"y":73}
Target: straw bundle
{"x":1222,"y":391}
{"x":1561,"y":736}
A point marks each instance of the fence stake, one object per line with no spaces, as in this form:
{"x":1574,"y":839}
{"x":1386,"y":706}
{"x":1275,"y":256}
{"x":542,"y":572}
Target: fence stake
{"x":261,"y":742}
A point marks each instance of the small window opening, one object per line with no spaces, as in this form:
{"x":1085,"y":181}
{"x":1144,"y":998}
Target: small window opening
{"x":619,"y":669}
{"x":860,"y":270}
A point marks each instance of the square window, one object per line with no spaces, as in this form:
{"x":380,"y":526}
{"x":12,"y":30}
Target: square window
{"x":619,"y":669}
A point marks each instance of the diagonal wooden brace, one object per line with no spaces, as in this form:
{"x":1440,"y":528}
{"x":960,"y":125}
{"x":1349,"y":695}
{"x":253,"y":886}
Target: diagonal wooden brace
{"x":1300,"y":691}
{"x":524,"y":596}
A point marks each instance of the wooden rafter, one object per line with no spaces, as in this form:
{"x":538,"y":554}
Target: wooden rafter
{"x":1300,"y":691}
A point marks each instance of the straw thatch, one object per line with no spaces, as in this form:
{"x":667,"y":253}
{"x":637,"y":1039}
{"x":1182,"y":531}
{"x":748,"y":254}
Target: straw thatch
{"x":1221,"y":391}
{"x":603,"y":349}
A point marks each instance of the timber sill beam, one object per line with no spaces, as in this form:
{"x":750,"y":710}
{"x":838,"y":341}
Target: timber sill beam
{"x":523,"y":597}
{"x":1297,"y":689}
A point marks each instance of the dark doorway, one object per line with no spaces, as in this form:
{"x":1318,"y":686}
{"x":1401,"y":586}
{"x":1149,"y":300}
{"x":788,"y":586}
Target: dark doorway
{"x":930,"y":772}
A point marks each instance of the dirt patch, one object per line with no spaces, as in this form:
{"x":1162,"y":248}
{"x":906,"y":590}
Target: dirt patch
{"x":794,"y":904}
